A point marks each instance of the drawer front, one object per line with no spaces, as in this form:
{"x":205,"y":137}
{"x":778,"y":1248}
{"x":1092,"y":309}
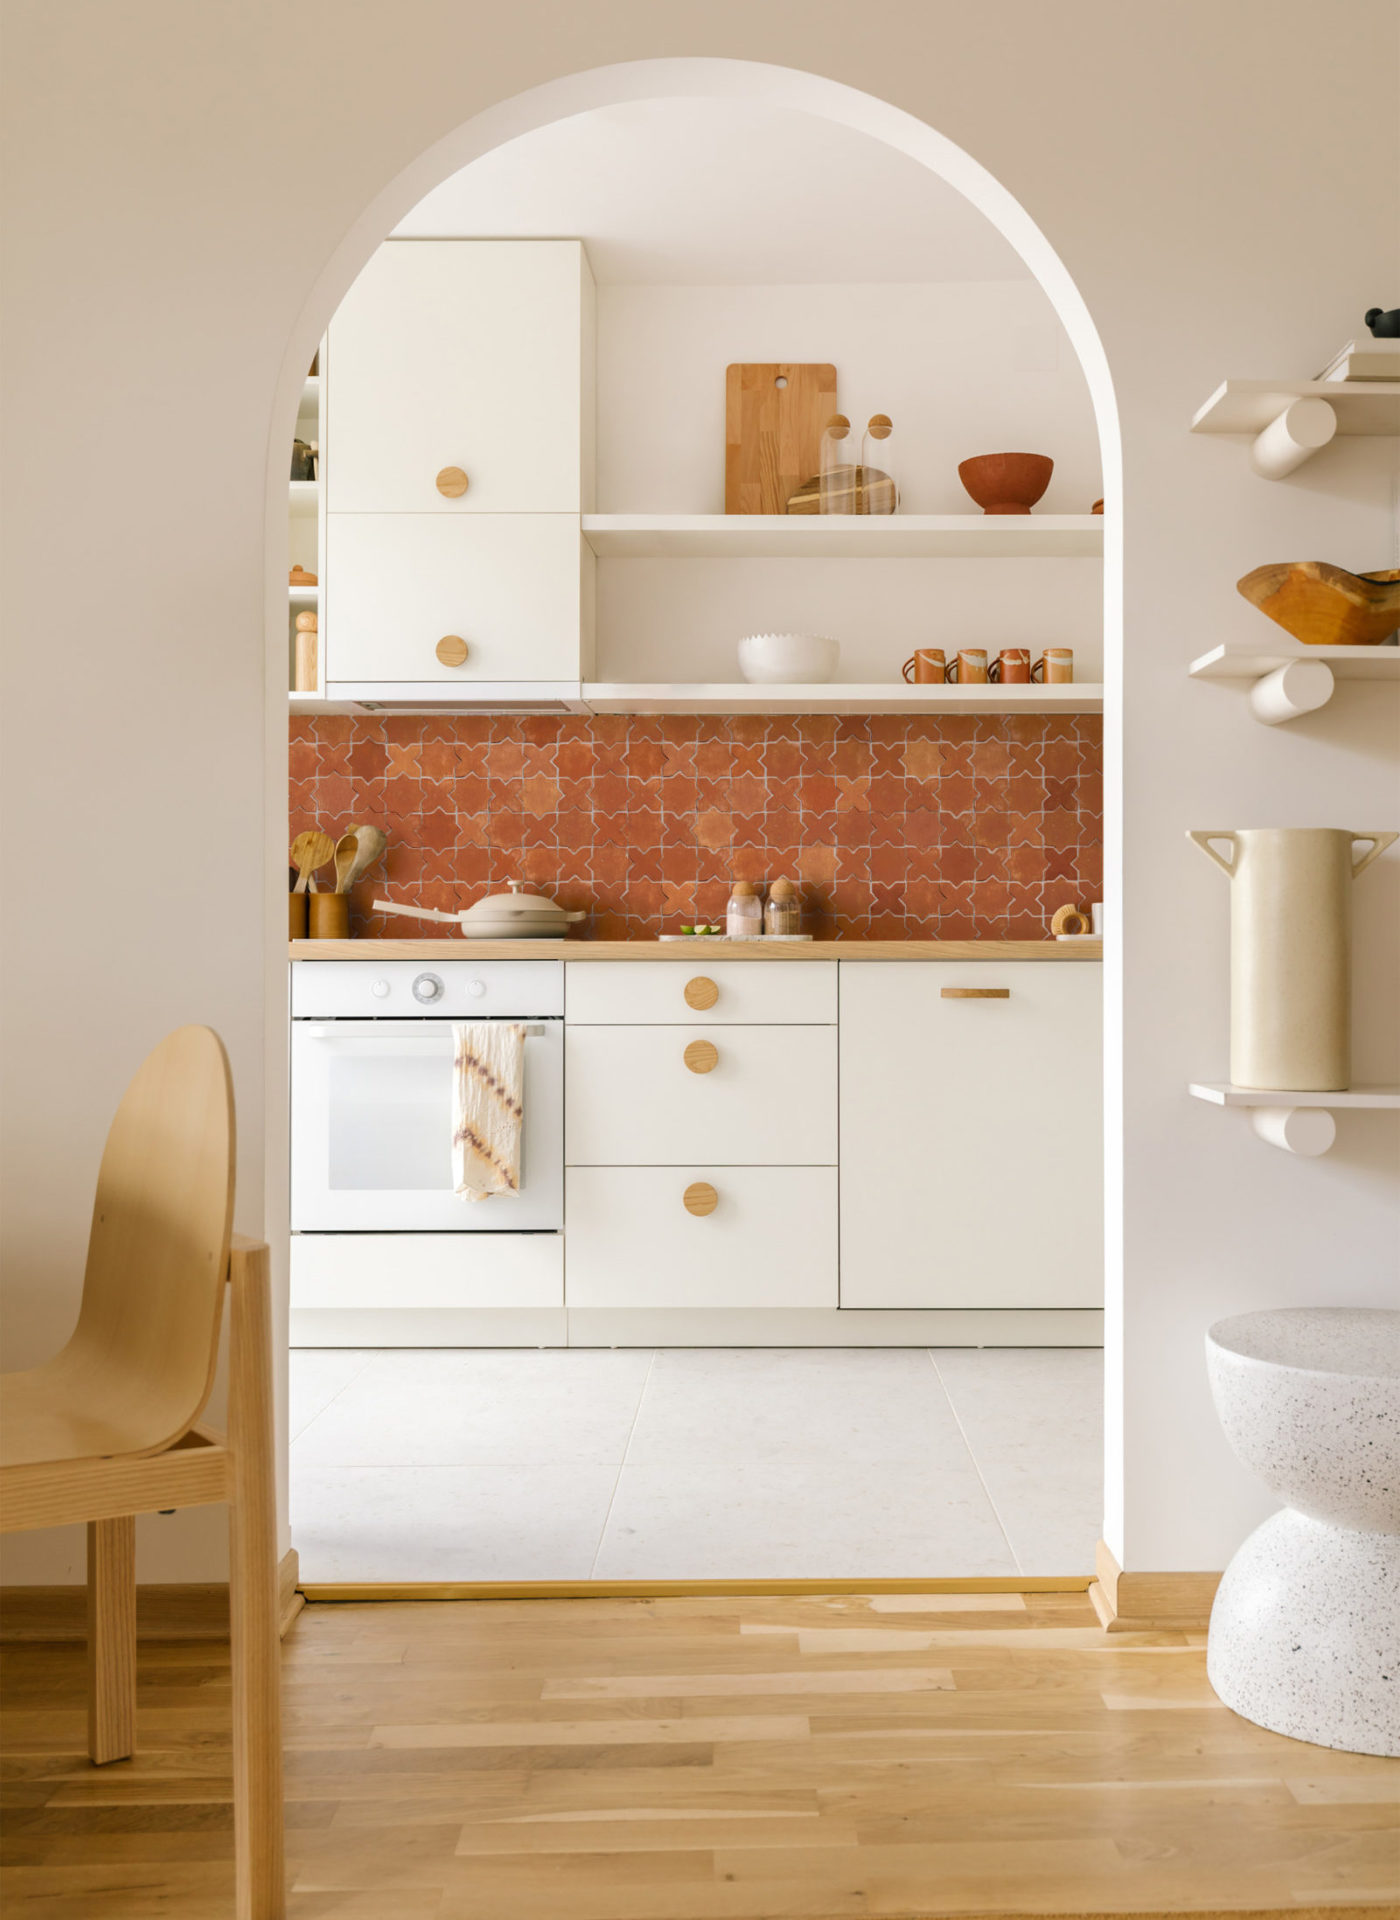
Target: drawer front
{"x":703,"y":992}
{"x":769,"y":1240}
{"x":398,"y":584}
{"x":664,"y":1096}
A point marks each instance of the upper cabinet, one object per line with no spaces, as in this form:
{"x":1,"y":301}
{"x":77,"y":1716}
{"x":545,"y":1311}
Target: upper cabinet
{"x":464,"y":380}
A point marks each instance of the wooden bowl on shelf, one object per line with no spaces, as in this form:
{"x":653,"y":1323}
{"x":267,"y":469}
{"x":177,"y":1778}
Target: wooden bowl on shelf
{"x":1006,"y":482}
{"x":1325,"y":606}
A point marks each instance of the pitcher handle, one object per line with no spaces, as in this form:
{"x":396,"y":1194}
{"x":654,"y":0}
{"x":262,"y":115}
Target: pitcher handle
{"x":1203,"y":840}
{"x":1379,"y":843}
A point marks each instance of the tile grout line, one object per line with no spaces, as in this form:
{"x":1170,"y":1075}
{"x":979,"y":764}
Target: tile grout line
{"x":617,"y":1480}
{"x":370,"y":1354}
{"x":976,"y":1463}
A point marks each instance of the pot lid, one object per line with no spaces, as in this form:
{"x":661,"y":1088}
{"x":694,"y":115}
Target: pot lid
{"x":518,"y":908}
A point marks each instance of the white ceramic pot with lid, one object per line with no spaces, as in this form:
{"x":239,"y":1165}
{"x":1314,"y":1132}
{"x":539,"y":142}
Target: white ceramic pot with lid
{"x":513,"y":915}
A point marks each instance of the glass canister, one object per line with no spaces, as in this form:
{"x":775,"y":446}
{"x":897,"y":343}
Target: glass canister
{"x":743,"y":916}
{"x":836,"y":480}
{"x":783,"y":913}
{"x":877,"y":492}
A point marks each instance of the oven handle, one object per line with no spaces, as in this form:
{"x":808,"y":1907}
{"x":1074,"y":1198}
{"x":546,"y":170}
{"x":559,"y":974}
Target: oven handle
{"x":332,"y":1030}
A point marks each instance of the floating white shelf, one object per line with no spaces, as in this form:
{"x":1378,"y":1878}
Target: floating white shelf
{"x":307,"y":594}
{"x":1297,"y":1121}
{"x":310,"y":394}
{"x":1248,"y":406}
{"x":304,"y":496}
{"x":879,"y":696}
{"x":896,"y":536}
{"x":1290,"y":679}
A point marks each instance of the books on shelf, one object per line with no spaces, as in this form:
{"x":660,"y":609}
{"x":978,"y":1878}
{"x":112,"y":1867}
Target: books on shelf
{"x":1364,"y":359}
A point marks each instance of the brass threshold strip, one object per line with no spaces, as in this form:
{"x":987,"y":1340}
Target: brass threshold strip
{"x":320,"y":1593}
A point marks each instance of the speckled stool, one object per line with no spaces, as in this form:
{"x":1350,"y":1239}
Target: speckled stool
{"x":1305,"y":1632}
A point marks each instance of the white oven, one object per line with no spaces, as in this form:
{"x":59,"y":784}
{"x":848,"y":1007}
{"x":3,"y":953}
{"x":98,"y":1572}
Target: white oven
{"x":372,"y":1065}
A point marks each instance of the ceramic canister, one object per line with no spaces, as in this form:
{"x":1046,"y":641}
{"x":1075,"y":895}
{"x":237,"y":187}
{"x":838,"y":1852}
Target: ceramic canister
{"x":1290,"y":952}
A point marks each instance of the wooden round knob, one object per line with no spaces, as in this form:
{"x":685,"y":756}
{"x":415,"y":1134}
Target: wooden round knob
{"x":700,"y":1198}
{"x":700,"y":993}
{"x":452,"y":483}
{"x":451,"y":650}
{"x":701,"y":1056}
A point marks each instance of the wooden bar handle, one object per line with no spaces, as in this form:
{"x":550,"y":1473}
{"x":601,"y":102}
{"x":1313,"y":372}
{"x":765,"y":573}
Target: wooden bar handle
{"x":701,"y":1056}
{"x":975,"y":993}
{"x":700,"y":1199}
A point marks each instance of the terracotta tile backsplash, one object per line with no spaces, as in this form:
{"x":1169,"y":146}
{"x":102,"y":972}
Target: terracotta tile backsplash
{"x":896,"y":827}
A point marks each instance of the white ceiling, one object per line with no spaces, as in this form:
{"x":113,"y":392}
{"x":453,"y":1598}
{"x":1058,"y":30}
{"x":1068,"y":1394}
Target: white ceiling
{"x":691,"y":192}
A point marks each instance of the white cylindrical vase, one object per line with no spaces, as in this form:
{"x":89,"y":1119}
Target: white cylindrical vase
{"x":1290,"y":952}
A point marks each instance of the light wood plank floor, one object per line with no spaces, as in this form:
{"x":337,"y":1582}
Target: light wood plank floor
{"x":660,"y":1759}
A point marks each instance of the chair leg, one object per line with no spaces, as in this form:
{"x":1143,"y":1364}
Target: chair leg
{"x":111,"y":1639}
{"x":257,"y":1717}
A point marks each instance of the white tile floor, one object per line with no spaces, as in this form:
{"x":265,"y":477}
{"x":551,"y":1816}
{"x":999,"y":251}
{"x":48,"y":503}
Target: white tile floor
{"x":800,"y":1463}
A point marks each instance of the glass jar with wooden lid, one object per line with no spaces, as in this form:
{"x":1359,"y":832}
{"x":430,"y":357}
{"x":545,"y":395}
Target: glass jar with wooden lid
{"x":743,"y":916}
{"x":783,"y":913}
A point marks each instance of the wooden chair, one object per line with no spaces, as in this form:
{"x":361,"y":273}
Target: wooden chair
{"x":109,"y":1427}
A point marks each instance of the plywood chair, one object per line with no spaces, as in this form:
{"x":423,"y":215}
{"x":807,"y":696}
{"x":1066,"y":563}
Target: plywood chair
{"x":109,"y":1427}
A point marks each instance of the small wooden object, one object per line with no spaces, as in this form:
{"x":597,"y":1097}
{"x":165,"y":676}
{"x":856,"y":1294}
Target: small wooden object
{"x":700,"y":1199}
{"x":299,"y":577}
{"x":306,"y":622}
{"x":452,"y":483}
{"x":329,"y":916}
{"x":296,"y":915}
{"x":774,"y":415}
{"x":451,"y":650}
{"x":974,"y":993}
{"x":310,"y":850}
{"x":1325,"y":606}
{"x":701,"y":1056}
{"x":308,"y":660}
{"x":346,"y":849}
{"x":701,"y":993}
{"x":370,"y":845}
{"x":1070,"y":919}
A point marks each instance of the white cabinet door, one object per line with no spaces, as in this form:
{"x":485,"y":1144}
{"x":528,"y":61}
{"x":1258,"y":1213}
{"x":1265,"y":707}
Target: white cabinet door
{"x":474,"y":354}
{"x":507,"y":584}
{"x":732,"y":1096}
{"x":971,"y":1134}
{"x":703,"y":990}
{"x":769,"y":1239}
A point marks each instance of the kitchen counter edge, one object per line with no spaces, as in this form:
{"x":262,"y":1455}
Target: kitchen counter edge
{"x":693,"y":952}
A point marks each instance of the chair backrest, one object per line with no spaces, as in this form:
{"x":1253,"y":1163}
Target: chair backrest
{"x":147,"y":1338}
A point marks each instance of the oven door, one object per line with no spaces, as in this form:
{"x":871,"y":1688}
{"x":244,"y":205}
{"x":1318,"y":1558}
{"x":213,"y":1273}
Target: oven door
{"x":372,"y":1131}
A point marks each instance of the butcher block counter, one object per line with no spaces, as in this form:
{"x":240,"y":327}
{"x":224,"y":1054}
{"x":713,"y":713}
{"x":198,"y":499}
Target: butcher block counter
{"x":688,"y":952}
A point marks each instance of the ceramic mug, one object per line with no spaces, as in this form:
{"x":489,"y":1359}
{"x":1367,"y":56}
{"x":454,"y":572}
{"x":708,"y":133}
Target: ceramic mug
{"x":1012,"y":667}
{"x":1055,"y":667}
{"x":926,"y":667}
{"x":969,"y":667}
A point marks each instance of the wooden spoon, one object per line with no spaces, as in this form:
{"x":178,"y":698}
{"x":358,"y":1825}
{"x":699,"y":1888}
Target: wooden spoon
{"x":310,"y":850}
{"x":370,"y":848}
{"x":346,"y":848}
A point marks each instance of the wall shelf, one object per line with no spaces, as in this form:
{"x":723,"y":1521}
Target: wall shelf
{"x":1287,"y":680}
{"x":310,"y":395}
{"x":880,"y":696}
{"x":896,"y":536}
{"x":1299,"y":1122}
{"x":1248,"y":406}
{"x":304,"y":496}
{"x":307,"y":596}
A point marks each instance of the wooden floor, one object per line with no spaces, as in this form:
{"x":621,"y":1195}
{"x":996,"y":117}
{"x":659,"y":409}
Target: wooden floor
{"x":628,"y":1759}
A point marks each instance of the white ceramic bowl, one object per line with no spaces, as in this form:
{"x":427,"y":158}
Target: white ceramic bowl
{"x":787,"y":659}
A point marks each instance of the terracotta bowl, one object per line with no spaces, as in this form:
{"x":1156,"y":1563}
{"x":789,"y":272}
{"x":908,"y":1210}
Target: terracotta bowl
{"x":1006,"y":482}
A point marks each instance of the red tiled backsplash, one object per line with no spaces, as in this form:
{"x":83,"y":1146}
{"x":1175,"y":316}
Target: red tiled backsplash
{"x":896,"y":827}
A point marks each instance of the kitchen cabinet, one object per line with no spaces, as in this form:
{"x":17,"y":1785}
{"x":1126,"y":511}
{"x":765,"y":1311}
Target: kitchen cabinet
{"x":970,"y":1135}
{"x":701,"y":1236}
{"x":712,"y":992}
{"x":404,"y":589}
{"x":464,"y":358}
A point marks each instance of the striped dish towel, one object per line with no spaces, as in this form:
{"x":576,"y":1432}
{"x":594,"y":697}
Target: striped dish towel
{"x":488,"y":1108}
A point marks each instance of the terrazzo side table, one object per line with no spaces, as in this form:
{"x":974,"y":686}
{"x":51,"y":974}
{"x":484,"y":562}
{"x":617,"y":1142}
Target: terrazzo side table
{"x":1305,"y":1631}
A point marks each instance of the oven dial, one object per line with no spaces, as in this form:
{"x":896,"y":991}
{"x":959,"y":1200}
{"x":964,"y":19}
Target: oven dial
{"x":427,"y":987}
{"x":476,"y":988}
{"x":380,"y":989}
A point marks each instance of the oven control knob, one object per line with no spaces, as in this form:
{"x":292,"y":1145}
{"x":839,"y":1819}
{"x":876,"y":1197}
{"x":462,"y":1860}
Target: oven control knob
{"x":427,"y":987}
{"x":380,"y":989}
{"x":476,"y":988}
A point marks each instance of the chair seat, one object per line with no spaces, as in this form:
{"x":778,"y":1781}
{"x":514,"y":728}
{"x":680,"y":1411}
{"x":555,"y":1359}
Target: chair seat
{"x":58,"y":1412}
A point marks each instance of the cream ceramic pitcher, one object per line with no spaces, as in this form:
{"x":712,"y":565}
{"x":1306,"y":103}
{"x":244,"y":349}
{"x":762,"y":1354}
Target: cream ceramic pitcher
{"x":1290,"y":952}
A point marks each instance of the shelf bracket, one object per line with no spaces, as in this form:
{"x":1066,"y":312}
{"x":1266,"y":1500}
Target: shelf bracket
{"x":1294,"y":436}
{"x":1302,"y":686}
{"x":1306,"y":1131}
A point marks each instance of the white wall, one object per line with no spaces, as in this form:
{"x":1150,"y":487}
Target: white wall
{"x":178,"y":180}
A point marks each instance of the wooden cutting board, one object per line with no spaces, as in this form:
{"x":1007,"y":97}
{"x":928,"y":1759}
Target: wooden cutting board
{"x":774,"y":414}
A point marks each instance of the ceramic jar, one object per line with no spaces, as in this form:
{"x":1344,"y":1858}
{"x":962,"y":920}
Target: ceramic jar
{"x":1290,"y":952}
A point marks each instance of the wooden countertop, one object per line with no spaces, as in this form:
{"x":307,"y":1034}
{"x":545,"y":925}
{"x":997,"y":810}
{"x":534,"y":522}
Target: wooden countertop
{"x":695,"y":952}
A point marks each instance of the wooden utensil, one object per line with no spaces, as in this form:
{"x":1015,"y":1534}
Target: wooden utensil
{"x":370,"y":845}
{"x":310,"y":850}
{"x":774,"y":415}
{"x":346,"y":848}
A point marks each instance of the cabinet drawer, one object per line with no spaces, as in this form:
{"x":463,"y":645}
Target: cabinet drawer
{"x":770,"y":1240}
{"x":705,"y":992}
{"x":467,"y":354}
{"x":506,"y":584}
{"x":756,"y":1096}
